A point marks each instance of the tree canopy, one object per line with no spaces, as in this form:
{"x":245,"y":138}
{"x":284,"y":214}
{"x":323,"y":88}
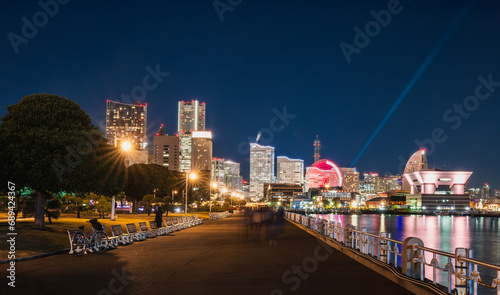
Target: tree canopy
{"x":49,"y":144}
{"x":149,"y":179}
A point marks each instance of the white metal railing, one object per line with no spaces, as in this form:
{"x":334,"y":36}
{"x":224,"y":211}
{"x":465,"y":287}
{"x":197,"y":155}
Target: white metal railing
{"x":460,"y":269}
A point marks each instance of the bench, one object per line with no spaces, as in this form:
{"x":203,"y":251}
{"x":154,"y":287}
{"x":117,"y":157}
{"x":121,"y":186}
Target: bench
{"x":198,"y":220}
{"x":186,"y":221}
{"x":170,"y":222}
{"x":123,"y":238}
{"x":192,"y":221}
{"x":143,"y":227}
{"x":169,"y":226}
{"x":178,"y":221}
{"x":112,"y":241}
{"x":132,"y":230}
{"x":159,"y":230}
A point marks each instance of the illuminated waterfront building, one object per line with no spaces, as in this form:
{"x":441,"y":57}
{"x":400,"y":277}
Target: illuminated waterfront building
{"x":417,"y":162}
{"x":290,"y":171}
{"x":323,"y":173}
{"x":261,"y":169}
{"x":350,"y":179}
{"x":435,"y":190}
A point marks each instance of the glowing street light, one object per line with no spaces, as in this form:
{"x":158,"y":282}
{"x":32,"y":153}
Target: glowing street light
{"x":212,"y":185}
{"x":191,"y":176}
{"x":126,"y":146}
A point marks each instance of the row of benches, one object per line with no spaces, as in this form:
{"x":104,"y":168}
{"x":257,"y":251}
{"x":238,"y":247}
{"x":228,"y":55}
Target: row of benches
{"x":218,"y":215}
{"x":133,"y":234}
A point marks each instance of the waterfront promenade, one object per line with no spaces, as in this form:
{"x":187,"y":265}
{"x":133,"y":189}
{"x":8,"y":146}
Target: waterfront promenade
{"x":213,"y":258}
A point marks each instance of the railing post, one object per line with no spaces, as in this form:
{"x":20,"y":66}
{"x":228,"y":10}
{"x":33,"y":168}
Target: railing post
{"x":364,"y":242}
{"x":410,"y":252}
{"x":348,"y":236}
{"x":382,"y":250}
{"x":461,"y":271}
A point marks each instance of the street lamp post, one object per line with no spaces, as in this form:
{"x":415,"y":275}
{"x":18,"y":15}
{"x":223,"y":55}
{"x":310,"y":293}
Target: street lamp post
{"x":172,"y":201}
{"x":191,"y":175}
{"x":214,"y":185}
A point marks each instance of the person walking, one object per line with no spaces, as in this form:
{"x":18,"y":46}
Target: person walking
{"x":158,"y":218}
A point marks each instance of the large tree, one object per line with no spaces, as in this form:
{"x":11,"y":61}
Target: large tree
{"x":149,"y":179}
{"x":50,"y":145}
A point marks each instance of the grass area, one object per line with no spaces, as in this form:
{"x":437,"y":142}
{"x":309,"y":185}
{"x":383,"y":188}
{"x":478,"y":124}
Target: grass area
{"x":31,"y":241}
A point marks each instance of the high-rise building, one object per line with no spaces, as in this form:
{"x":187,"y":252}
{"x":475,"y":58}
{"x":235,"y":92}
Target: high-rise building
{"x":166,"y":151}
{"x":218,"y":171}
{"x":486,"y":192}
{"x":231,"y":168}
{"x":417,"y":162}
{"x":290,"y":171}
{"x":497,"y":193}
{"x":185,"y":152}
{"x":391,"y":183}
{"x":201,"y":150}
{"x":126,"y":122}
{"x":350,"y":179}
{"x":191,"y":116}
{"x":317,"y":149}
{"x":261,"y":169}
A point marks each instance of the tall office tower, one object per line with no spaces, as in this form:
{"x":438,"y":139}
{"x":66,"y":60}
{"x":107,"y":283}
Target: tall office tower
{"x":417,"y":162}
{"x":218,"y":171}
{"x":486,"y":192}
{"x":497,"y":193}
{"x":261,"y":169}
{"x":290,"y":171}
{"x":166,"y":151}
{"x":317,"y":149}
{"x":191,"y":117}
{"x":350,"y":178}
{"x":232,"y":178}
{"x":201,"y":151}
{"x":231,"y":168}
{"x":127,"y":122}
{"x":185,"y":152}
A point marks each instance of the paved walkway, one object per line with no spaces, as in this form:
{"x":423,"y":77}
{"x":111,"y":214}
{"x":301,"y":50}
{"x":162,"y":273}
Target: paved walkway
{"x":213,"y":258}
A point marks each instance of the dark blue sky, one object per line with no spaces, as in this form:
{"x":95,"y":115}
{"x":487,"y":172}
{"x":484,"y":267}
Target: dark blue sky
{"x":269,"y":55}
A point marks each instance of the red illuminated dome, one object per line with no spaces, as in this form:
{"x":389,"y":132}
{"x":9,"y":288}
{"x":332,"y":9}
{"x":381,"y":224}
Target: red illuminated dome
{"x":323,"y":173}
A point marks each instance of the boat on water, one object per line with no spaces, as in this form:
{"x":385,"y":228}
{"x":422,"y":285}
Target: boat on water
{"x":442,"y":213}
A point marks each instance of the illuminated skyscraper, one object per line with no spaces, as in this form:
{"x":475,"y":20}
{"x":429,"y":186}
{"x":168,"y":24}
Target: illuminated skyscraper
{"x":185,"y":152}
{"x":127,"y":122}
{"x":290,"y":171}
{"x":191,"y":117}
{"x":201,"y":150}
{"x":261,"y":169}
{"x":166,"y":151}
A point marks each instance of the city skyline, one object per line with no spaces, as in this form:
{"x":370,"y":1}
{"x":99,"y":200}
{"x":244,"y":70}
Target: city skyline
{"x":251,"y":73}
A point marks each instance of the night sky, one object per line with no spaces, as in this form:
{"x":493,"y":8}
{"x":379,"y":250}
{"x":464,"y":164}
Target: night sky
{"x":271,"y":55}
